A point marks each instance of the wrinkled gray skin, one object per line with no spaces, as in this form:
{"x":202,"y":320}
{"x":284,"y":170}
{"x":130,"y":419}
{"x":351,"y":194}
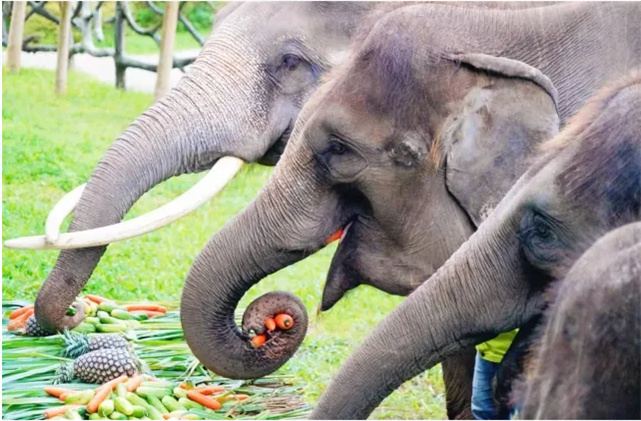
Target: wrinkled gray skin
{"x":239,"y":98}
{"x":588,"y":361}
{"x":363,"y":152}
{"x":586,"y":184}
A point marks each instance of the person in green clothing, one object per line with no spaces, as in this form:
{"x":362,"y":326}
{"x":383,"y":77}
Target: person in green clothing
{"x":488,"y":358}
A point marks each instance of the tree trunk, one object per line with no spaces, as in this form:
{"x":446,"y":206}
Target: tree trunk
{"x":14,"y":46}
{"x":166,"y":60}
{"x":119,"y":44}
{"x":64,"y":32}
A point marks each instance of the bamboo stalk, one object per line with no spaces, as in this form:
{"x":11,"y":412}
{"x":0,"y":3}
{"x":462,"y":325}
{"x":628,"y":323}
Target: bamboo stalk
{"x":165,"y":63}
{"x":14,"y":45}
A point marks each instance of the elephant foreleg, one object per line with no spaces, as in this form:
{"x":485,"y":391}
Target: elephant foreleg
{"x":458,"y":371}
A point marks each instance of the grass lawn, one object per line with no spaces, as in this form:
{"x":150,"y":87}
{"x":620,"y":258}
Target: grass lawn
{"x":51,"y":144}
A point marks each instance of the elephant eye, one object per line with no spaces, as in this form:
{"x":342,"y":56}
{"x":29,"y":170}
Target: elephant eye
{"x":336,"y":148}
{"x":539,"y":239}
{"x":290,"y":62}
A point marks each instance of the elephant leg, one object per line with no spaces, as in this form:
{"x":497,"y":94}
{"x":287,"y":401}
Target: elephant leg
{"x":458,"y":371}
{"x":512,"y":367}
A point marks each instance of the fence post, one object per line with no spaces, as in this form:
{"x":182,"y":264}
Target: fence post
{"x":119,"y":41}
{"x":64,"y":34}
{"x":14,"y":44}
{"x":167,"y":41}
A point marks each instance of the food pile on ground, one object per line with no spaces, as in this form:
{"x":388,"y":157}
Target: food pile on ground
{"x":101,"y":315}
{"x":142,"y":371}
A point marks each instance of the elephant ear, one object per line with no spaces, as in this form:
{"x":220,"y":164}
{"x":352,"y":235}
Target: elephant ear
{"x":488,"y":144}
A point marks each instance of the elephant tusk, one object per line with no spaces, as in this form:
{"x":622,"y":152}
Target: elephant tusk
{"x":210,"y":185}
{"x":59,"y":213}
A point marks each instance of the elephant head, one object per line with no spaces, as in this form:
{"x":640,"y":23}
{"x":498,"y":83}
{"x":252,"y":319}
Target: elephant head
{"x":389,"y":156}
{"x":239,"y":98}
{"x":586,"y":183}
{"x":588,"y":360}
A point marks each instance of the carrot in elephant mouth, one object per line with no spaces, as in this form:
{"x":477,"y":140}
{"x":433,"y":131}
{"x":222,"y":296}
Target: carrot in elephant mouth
{"x":336,"y":236}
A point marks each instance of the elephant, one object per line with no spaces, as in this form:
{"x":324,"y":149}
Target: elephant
{"x":586,"y":183}
{"x":376,"y":152}
{"x":239,"y":98}
{"x":587,"y":364}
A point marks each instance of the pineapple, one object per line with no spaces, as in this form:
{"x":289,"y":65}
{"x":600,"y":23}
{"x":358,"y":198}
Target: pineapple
{"x":32,"y":328}
{"x":77,"y":344}
{"x":99,"y":366}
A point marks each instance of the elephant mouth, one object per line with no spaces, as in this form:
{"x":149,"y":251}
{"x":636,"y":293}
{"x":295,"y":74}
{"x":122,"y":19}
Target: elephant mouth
{"x":276,"y":150}
{"x":339,"y":234}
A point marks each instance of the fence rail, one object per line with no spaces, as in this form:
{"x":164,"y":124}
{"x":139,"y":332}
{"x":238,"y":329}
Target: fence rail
{"x":87,"y":18}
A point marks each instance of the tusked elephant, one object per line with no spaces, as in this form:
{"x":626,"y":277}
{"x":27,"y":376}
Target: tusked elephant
{"x":587,"y":364}
{"x":239,"y":99}
{"x":379,"y":151}
{"x":586,"y":184}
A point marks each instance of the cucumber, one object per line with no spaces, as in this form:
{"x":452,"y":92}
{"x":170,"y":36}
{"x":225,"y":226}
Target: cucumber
{"x":122,"y":314}
{"x":154,"y":401}
{"x":189,"y":404}
{"x":80,"y":398}
{"x":85,"y":328}
{"x":92,"y":320}
{"x":122,"y":405}
{"x":111,"y":328}
{"x":121,"y":390}
{"x":139,"y":411}
{"x":117,"y":416}
{"x":105,"y":318}
{"x":172,"y":404}
{"x":96,"y":416}
{"x":158,"y":392}
{"x":176,"y":415}
{"x":72,"y":414}
{"x":109,"y":306}
{"x":106,"y":407}
{"x":180,"y":392}
{"x":152,"y":411}
{"x":164,"y":385}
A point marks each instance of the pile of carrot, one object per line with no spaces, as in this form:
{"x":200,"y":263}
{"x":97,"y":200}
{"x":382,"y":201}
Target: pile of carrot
{"x":142,"y":392}
{"x":18,"y":318}
{"x":282,"y":321}
{"x":148,"y":309}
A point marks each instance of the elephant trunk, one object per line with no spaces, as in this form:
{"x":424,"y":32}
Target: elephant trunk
{"x":471,"y":298}
{"x":186,"y":131}
{"x":281,"y":226}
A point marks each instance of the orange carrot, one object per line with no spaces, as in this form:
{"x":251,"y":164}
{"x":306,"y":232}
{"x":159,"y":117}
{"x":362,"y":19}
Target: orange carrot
{"x":204,"y":400}
{"x":284,"y":321}
{"x":96,"y":298}
{"x":102,"y":393}
{"x":259,"y":340}
{"x":115,"y":382}
{"x":336,"y":236}
{"x":238,"y":397}
{"x":59,"y":410}
{"x":20,"y":321}
{"x":134,"y":382}
{"x":165,"y":416}
{"x":150,"y":307}
{"x":63,"y":397}
{"x":270,"y":324}
{"x":56,"y":391}
{"x":148,"y":313}
{"x":19,"y":312}
{"x":211,"y":389}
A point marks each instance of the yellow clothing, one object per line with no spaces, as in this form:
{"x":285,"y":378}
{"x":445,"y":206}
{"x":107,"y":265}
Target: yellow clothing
{"x":494,"y":349}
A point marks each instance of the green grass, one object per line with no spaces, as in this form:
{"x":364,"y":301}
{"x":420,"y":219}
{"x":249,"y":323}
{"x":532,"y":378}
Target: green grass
{"x":51,"y":144}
